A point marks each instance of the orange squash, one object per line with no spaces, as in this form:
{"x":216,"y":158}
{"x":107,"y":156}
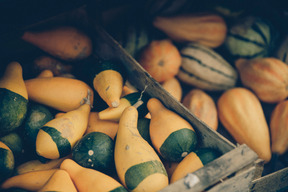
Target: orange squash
{"x":173,"y":87}
{"x":63,"y":94}
{"x":241,"y":113}
{"x":203,"y":28}
{"x":279,"y":128}
{"x":161,"y":59}
{"x":267,"y":77}
{"x":67,"y":43}
{"x":202,"y":106}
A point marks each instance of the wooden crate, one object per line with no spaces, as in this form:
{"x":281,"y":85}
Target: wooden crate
{"x":233,"y":171}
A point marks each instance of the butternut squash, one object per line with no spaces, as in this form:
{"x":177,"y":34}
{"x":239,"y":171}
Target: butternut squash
{"x":241,"y":113}
{"x":65,"y":42}
{"x":13,"y":98}
{"x":161,"y":59}
{"x":173,"y":87}
{"x":171,"y":135}
{"x":109,"y":82}
{"x":31,"y":181}
{"x":90,"y":180}
{"x":204,"y":28}
{"x":202,"y":106}
{"x":267,"y":77}
{"x":63,"y":94}
{"x":104,"y":126}
{"x":57,"y":137}
{"x":279,"y":128}
{"x":138,"y":166}
{"x":59,"y":181}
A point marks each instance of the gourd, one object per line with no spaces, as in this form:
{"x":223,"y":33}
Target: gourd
{"x":57,"y":137}
{"x":7,"y":162}
{"x":161,"y":59}
{"x":249,"y":38}
{"x":204,"y":68}
{"x":109,"y":81}
{"x":138,"y":166}
{"x":194,"y":161}
{"x":104,"y":126}
{"x":15,"y":143}
{"x":282,"y":51}
{"x":173,"y":87}
{"x":279,"y":128}
{"x":90,"y":180}
{"x":95,"y":150}
{"x":143,"y":125}
{"x":114,"y":114}
{"x":65,"y":42}
{"x":172,"y":136}
{"x":204,"y":28}
{"x":242,"y":115}
{"x":13,"y":98}
{"x":60,"y":93}
{"x":266,"y":77}
{"x":59,"y":181}
{"x":202,"y":105}
{"x":31,"y":181}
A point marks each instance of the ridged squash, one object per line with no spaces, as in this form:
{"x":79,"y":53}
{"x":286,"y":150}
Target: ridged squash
{"x":242,"y":115}
{"x":204,"y":28}
{"x":57,"y":137}
{"x":90,"y":180}
{"x":266,"y":77}
{"x":13,"y":98}
{"x":60,"y":93}
{"x":172,"y":136}
{"x":138,"y":166}
{"x":65,"y":42}
{"x":279,"y":128}
{"x":202,"y":67}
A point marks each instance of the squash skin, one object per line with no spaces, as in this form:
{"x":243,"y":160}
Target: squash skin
{"x":244,"y":119}
{"x":173,"y":87}
{"x":172,"y":136}
{"x":279,"y":128}
{"x":138,"y":166}
{"x":206,"y":29}
{"x":202,"y":106}
{"x":7,"y":161}
{"x":161,"y":59}
{"x":267,"y":77}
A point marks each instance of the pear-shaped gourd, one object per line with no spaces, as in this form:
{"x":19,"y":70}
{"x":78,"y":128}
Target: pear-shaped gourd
{"x":90,"y":180}
{"x":171,"y":135}
{"x":241,"y":113}
{"x":61,"y":93}
{"x":279,"y":128}
{"x":109,"y":82}
{"x":59,"y":181}
{"x":67,"y":43}
{"x":57,"y":137}
{"x":13,"y":98}
{"x":138,"y":166}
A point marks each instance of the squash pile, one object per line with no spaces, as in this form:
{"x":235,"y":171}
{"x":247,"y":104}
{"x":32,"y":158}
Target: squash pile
{"x":97,"y":132}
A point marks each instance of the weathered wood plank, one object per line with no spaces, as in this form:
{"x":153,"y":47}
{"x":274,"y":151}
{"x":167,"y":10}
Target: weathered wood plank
{"x":239,"y":183}
{"x":214,"y":171}
{"x":277,"y":181}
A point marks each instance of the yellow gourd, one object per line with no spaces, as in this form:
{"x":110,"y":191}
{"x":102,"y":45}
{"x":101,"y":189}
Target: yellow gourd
{"x":90,"y":180}
{"x":63,"y":94}
{"x":241,"y":113}
{"x":173,"y":87}
{"x":59,"y":181}
{"x":57,"y":137}
{"x":171,"y":135}
{"x":138,"y":166}
{"x":31,"y":181}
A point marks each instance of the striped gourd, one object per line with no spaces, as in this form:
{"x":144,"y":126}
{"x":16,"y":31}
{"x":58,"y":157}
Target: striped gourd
{"x":253,"y":37}
{"x":204,"y":68}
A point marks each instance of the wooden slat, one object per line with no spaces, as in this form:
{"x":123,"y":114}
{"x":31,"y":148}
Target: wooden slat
{"x":214,"y":171}
{"x":277,"y":181}
{"x":240,"y":183}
